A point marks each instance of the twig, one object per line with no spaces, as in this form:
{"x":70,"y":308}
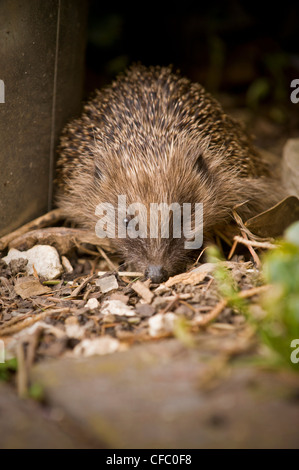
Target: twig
{"x":224,"y":237}
{"x":252,"y":251}
{"x":22,"y":375}
{"x":199,"y":256}
{"x":264,"y":245}
{"x":63,"y":238}
{"x":233,"y":248}
{"x":31,"y":320}
{"x":82,"y":285}
{"x":15,"y":320}
{"x":208,"y":317}
{"x":220,"y":306}
{"x":171,"y":304}
{"x":32,"y":346}
{"x":107,"y":259}
{"x":123,"y":273}
{"x":43,"y":221}
{"x":246,"y":294}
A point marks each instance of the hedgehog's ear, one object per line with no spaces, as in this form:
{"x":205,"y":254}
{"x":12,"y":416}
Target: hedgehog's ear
{"x":200,"y":165}
{"x":98,"y":175}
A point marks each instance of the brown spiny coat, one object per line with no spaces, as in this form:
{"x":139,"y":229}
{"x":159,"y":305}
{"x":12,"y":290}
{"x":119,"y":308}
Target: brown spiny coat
{"x":156,"y":137}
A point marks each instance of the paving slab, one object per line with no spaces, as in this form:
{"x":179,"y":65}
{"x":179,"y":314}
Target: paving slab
{"x":24,"y":424}
{"x":157,"y":396}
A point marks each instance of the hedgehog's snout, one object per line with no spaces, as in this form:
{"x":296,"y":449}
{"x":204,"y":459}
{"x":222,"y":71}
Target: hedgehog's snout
{"x":156,"y":273}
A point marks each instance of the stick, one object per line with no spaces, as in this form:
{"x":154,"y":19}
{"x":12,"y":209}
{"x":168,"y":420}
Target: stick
{"x":233,"y":248}
{"x":107,"y":259}
{"x":123,"y":273}
{"x":63,"y":238}
{"x":31,"y":320}
{"x":265,"y":245}
{"x":47,"y":219}
{"x":252,"y":252}
{"x":245,"y":294}
{"x":82,"y":285}
{"x":22,"y":375}
{"x":205,"y":320}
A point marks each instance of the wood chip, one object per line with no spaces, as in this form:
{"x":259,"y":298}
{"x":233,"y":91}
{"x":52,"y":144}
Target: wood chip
{"x":106,"y":284}
{"x":143,"y":291}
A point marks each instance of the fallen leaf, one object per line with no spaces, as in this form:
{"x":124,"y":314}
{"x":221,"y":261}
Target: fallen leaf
{"x":191,"y":278}
{"x":28,"y":286}
{"x":274,"y":221}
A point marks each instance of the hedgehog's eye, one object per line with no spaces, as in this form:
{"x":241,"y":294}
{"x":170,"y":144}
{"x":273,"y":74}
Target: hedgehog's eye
{"x":127,"y":219}
{"x":201,"y":166}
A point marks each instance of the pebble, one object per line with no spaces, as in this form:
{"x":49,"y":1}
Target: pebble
{"x":116,"y":307}
{"x":98,"y":346}
{"x":92,"y":304}
{"x":45,"y":259}
{"x":161,"y":323}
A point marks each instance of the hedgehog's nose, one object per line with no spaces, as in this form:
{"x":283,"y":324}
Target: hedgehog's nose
{"x":156,"y":273}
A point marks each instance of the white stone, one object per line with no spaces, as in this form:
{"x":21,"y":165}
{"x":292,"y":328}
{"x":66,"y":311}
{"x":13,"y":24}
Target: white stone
{"x":44,"y":258}
{"x":92,"y":304}
{"x":161,"y":323}
{"x":67,"y":265}
{"x":97,"y":346}
{"x":117,"y":307}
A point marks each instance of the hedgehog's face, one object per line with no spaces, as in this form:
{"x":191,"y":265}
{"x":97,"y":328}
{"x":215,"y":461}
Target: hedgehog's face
{"x":151,"y":216}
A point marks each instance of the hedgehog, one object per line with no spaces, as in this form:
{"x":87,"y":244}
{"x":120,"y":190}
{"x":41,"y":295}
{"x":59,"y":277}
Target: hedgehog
{"x":154,"y":136}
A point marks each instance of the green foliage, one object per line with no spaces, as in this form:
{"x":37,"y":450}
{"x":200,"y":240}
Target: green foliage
{"x":181,"y":331}
{"x":36,"y":392}
{"x":225,"y":281}
{"x":280,"y":326}
{"x":258,"y":90}
{"x":7,"y":369}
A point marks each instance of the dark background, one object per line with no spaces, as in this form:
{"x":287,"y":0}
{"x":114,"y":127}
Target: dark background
{"x":246,"y":52}
{"x":223,"y":44}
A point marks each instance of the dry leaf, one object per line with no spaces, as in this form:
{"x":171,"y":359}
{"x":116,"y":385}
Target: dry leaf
{"x":192,"y":278}
{"x":274,"y":221}
{"x":28,"y":286}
